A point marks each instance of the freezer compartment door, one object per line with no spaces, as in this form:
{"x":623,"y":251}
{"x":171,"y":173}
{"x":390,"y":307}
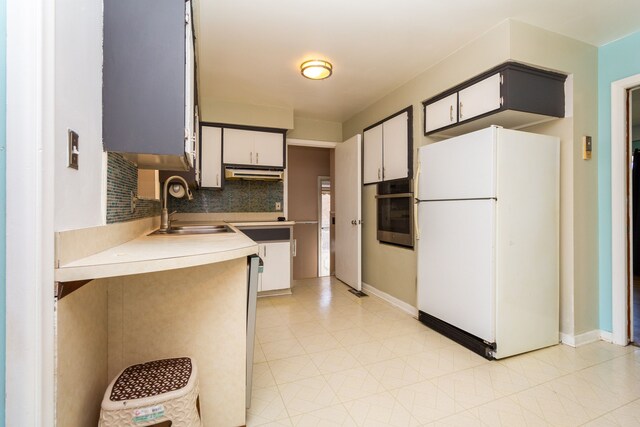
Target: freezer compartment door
{"x":456,"y":264}
{"x":459,"y":168}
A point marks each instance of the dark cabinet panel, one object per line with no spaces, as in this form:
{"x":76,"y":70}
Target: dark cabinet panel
{"x":144,"y":81}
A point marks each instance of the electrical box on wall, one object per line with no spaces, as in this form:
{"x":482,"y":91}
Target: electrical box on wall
{"x":74,"y":152}
{"x":586,"y":147}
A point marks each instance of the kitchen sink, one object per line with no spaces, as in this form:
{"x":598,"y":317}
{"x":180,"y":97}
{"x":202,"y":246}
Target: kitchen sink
{"x":194,"y":229}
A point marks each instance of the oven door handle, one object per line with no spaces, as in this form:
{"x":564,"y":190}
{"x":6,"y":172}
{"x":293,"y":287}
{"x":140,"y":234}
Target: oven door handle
{"x":394,"y":196}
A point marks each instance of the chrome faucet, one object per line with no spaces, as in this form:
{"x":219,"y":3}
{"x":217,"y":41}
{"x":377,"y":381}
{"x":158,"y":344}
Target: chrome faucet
{"x":164,"y":216}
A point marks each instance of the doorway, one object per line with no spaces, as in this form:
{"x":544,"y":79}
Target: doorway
{"x":633,"y":119}
{"x":324,"y":226}
{"x":306,"y":166}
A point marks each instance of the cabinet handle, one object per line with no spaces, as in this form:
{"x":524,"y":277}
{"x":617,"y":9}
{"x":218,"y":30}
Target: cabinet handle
{"x":217,"y":180}
{"x":451,"y":113}
{"x":384,"y":172}
{"x":257,"y":158}
{"x":460,"y":109}
{"x":251,"y":157}
{"x":265,"y":251}
{"x":378,"y":173}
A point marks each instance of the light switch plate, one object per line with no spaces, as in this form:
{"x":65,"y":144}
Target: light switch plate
{"x":278,"y":206}
{"x":586,"y":147}
{"x":74,"y":151}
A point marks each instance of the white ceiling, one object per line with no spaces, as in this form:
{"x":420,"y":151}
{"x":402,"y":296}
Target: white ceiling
{"x":250,"y":50}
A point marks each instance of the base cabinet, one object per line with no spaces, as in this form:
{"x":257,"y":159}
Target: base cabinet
{"x":276,"y":273}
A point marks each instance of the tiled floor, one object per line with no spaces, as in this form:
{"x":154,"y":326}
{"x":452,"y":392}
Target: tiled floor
{"x":325,"y":357}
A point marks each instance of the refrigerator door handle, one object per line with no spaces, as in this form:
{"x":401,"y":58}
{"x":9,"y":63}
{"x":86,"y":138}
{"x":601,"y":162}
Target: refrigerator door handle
{"x":416,"y":225}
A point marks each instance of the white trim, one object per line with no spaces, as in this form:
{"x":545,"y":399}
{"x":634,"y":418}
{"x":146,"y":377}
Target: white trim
{"x":407,"y":308}
{"x":606,"y":336}
{"x":582,"y":339}
{"x":311,"y":143}
{"x":30,"y":395}
{"x":619,"y":167}
{"x":586,"y":338}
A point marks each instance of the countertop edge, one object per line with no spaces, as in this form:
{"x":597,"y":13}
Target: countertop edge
{"x":68,"y":274}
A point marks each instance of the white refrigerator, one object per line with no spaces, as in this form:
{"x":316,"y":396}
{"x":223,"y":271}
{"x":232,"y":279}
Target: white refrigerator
{"x":488,"y":240}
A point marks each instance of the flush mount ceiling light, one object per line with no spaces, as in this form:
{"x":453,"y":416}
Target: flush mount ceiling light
{"x":316,"y":69}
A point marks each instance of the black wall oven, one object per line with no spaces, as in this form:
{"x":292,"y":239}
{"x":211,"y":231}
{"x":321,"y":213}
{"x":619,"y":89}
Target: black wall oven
{"x":395,"y":212}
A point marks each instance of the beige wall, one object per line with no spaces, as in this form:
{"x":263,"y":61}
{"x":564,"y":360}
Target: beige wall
{"x":109,"y":324}
{"x":81,"y":371}
{"x":318,"y":130}
{"x":392,"y":269}
{"x":579,"y":244}
{"x":217,"y":111}
{"x":523,"y":43}
{"x":305,"y":165}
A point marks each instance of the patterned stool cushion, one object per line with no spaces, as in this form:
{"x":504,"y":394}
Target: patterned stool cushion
{"x":151,"y":378}
{"x":153,"y":392}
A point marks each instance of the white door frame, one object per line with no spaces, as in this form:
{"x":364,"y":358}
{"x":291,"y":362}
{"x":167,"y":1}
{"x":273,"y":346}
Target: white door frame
{"x":30,"y":395}
{"x":619,"y":209}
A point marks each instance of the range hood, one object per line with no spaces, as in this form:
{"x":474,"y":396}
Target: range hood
{"x":254,"y":174}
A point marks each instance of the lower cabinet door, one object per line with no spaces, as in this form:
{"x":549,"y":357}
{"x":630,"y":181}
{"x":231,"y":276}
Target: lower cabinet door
{"x":276,"y":273}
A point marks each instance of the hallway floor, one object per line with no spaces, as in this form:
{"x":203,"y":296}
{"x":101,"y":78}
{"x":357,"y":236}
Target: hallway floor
{"x":325,"y":357}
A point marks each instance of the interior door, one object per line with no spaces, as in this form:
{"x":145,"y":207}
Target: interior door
{"x":348,"y":193}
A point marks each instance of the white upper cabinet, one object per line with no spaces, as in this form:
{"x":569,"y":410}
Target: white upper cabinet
{"x":395,"y":136}
{"x":238,"y":147}
{"x":211,"y":157}
{"x":387,"y":148}
{"x":511,"y":95}
{"x":480,"y":98}
{"x":372,"y":170}
{"x":441,"y":113}
{"x":269,"y":149}
{"x":253,"y":148}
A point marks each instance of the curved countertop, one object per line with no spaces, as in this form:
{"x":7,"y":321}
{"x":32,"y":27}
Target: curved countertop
{"x":147,"y":254}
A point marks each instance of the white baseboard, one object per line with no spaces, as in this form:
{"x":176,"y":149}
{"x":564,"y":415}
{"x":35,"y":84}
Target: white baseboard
{"x":586,"y":338}
{"x":407,"y":308}
{"x":606,"y":336}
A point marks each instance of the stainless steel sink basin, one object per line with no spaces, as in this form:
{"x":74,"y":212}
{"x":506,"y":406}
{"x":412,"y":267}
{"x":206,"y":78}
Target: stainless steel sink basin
{"x":194,"y":229}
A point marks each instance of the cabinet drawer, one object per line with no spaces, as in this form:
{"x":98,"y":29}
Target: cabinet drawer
{"x":441,"y":113}
{"x":479,"y":98}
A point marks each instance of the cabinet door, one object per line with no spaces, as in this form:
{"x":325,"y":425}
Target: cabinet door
{"x":238,"y":147}
{"x":479,"y":98}
{"x":441,"y":113}
{"x":211,"y":157}
{"x":189,"y":90}
{"x":269,"y":149}
{"x":277,"y":266}
{"x":395,"y":148}
{"x":372,"y":169}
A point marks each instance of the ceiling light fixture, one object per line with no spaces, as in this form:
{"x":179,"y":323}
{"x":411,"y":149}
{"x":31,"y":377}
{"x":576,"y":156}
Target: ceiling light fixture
{"x":316,"y":69}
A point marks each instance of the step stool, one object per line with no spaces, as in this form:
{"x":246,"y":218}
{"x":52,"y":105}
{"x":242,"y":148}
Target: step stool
{"x":162,"y":392}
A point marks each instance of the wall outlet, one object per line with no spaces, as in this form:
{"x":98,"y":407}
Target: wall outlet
{"x":278,"y":206}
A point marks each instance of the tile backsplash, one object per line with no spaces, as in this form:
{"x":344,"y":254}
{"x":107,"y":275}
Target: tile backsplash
{"x":122,"y":181}
{"x":236,"y":196}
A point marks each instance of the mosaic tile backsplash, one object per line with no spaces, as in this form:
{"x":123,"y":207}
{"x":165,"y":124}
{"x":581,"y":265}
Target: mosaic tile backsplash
{"x":236,"y":196}
{"x":122,"y":180}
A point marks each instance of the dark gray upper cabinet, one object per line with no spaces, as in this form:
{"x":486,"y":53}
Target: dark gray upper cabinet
{"x":148,"y":82}
{"x":511,"y":95}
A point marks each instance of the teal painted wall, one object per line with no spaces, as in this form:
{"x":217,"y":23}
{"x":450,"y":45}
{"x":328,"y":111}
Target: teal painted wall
{"x":3,"y":151}
{"x":616,"y":60}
